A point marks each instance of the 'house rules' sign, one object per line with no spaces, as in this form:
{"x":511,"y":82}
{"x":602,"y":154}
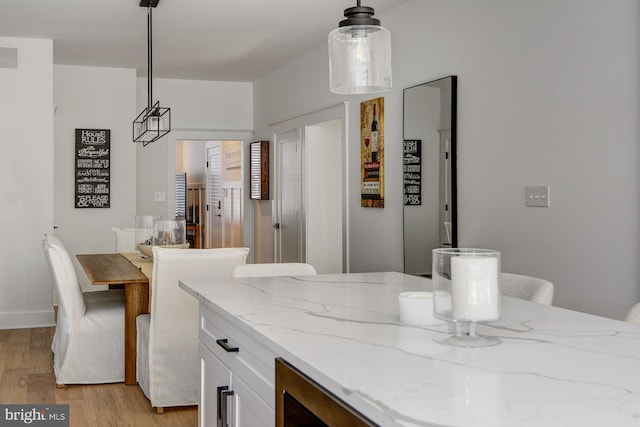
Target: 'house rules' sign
{"x":93,"y":168}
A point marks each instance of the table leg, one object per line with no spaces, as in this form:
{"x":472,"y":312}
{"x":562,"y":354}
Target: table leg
{"x":136,"y":303}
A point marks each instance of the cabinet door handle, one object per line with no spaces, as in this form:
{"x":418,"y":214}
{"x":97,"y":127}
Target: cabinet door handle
{"x":225,"y":411}
{"x":221,"y":411}
{"x":224,"y":343}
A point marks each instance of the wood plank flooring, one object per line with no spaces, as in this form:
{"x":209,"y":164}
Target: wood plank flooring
{"x":26,"y":377}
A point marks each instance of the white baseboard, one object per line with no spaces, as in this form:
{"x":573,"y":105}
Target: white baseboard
{"x":26,"y":319}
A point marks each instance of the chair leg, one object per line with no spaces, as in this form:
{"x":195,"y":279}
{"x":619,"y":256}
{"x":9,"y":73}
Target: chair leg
{"x":159,"y":410}
{"x":59,"y":386}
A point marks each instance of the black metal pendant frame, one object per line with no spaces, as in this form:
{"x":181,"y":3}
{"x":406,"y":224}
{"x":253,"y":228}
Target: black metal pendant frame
{"x":145,"y":128}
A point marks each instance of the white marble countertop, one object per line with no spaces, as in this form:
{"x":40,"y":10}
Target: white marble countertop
{"x":554,"y":367}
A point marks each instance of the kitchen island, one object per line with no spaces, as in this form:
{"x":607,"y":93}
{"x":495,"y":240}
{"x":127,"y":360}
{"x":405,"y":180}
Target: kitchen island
{"x":553,"y":367}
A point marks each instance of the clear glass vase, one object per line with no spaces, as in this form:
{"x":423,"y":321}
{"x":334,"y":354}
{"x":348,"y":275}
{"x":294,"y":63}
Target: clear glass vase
{"x":144,"y":229}
{"x":466,"y":288}
{"x":170,"y":232}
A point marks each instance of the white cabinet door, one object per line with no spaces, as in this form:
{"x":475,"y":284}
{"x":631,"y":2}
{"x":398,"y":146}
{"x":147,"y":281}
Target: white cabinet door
{"x":213,"y":374}
{"x":250,"y":410}
{"x":239,"y":405}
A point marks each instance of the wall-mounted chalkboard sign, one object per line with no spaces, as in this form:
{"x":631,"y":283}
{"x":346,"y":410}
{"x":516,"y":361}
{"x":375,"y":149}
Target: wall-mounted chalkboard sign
{"x":93,"y":168}
{"x":412,"y":171}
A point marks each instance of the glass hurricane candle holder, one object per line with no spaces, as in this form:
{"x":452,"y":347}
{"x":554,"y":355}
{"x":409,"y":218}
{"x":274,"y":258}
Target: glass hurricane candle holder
{"x":466,"y":288}
{"x":170,"y":232}
{"x":144,"y":229}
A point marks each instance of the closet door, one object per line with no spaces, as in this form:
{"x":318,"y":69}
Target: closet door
{"x":288,"y":219}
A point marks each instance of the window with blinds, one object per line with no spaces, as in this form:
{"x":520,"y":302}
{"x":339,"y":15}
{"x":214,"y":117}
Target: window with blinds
{"x":181,"y":195}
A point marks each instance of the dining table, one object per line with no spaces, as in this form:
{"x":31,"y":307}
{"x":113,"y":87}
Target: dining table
{"x":132,"y":270}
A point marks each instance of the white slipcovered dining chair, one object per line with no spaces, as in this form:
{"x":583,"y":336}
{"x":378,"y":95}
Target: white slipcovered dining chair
{"x":88,"y":344}
{"x":633,"y":316}
{"x":273,"y":269}
{"x":527,"y":288}
{"x":168,"y":360}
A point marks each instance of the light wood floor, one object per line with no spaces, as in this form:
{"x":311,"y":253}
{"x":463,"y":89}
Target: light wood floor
{"x":26,"y":377}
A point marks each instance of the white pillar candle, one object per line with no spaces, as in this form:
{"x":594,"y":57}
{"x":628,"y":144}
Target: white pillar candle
{"x":474,"y":283}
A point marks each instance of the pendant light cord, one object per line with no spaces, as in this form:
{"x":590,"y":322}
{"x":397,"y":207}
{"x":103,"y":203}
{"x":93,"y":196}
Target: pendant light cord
{"x":153,"y":122}
{"x":149,"y":63}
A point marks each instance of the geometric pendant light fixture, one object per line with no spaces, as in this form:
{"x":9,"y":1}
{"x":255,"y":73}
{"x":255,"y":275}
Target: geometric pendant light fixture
{"x":359,"y":54}
{"x":154,"y":121}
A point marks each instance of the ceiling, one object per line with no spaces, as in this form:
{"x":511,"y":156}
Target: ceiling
{"x":226,"y":40}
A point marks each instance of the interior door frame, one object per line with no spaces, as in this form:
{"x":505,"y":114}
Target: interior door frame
{"x":246,"y":136}
{"x":333,"y":112}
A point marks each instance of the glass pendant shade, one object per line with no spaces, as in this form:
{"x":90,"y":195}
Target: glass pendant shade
{"x":151,"y":125}
{"x":359,"y":59}
{"x":359,"y":53}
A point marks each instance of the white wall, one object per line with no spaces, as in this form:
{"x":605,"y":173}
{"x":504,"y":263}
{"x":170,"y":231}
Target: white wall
{"x":26,"y":193}
{"x":322,"y":148}
{"x":204,"y":110}
{"x":193,"y":160}
{"x":94,"y":98}
{"x":548,"y":94}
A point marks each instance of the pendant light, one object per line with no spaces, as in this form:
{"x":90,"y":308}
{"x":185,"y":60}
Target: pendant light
{"x":359,"y":54}
{"x":153,"y":122}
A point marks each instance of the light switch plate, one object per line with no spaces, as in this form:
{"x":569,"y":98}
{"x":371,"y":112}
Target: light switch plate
{"x":537,"y":196}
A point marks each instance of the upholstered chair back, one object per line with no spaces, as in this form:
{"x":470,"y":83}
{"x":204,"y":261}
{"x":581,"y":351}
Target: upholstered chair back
{"x":526,"y":287}
{"x":273,"y":269}
{"x":633,"y":315}
{"x":71,"y":305}
{"x":169,"y":363}
{"x":171,"y":307}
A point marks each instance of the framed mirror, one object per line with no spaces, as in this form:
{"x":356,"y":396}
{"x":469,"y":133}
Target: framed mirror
{"x":429,"y":172}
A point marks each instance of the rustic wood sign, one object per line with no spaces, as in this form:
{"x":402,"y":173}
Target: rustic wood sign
{"x":372,"y":153}
{"x":93,"y":168}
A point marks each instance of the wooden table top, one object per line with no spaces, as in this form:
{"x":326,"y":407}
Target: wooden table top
{"x":110,"y":269}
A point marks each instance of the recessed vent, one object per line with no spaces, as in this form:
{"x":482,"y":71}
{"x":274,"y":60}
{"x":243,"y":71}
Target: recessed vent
{"x":9,"y":57}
